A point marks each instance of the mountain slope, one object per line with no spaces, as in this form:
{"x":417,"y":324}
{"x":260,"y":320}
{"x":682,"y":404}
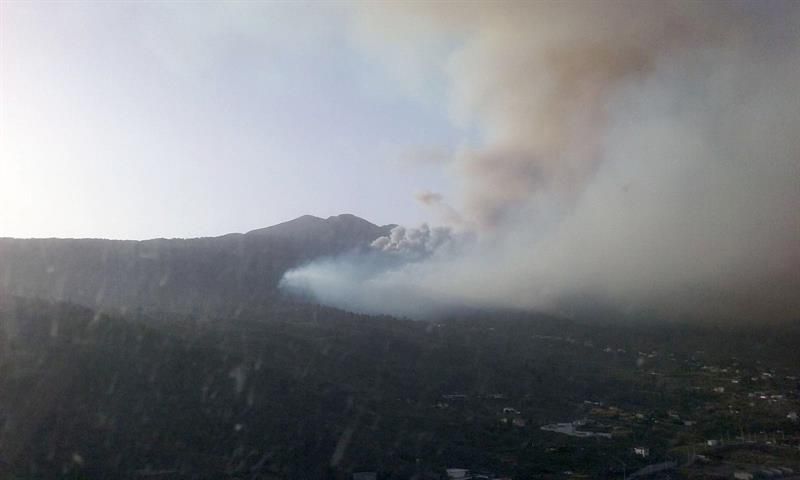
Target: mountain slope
{"x":216,"y":275}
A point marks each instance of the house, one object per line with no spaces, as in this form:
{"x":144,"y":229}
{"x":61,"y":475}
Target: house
{"x":518,"y":422}
{"x":457,"y":473}
{"x":712,"y":443}
{"x":510,"y":411}
{"x":743,"y":475}
{"x":643,"y":452}
{"x":792,"y":416}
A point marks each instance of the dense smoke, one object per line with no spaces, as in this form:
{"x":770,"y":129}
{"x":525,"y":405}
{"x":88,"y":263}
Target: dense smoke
{"x":415,"y":243}
{"x":643,"y":155}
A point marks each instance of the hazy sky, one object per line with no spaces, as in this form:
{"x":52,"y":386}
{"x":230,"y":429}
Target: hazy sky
{"x":187,"y":119}
{"x":637,"y":154}
{"x":642,"y":153}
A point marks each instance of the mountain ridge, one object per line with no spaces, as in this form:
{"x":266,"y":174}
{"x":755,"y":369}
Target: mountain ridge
{"x":309,"y":220}
{"x":213,"y":275}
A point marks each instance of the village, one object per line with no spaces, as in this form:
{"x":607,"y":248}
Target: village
{"x":730,"y":420}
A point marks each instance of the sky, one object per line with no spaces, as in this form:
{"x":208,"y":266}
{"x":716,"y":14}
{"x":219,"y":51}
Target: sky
{"x":638,"y":154}
{"x":180,"y":119}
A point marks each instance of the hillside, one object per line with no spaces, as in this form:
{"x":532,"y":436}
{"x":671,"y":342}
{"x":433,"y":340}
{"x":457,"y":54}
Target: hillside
{"x":319,"y":393}
{"x":216,"y":275}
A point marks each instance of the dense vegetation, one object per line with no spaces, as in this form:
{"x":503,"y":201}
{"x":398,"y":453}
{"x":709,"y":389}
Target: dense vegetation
{"x":311,"y":392}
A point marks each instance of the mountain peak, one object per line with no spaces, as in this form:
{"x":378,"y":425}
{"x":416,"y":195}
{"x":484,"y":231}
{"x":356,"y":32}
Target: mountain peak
{"x":349,"y":218}
{"x":307,"y":226}
{"x":344,"y":216}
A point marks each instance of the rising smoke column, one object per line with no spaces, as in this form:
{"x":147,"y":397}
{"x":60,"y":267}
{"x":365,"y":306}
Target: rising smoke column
{"x":642,"y":154}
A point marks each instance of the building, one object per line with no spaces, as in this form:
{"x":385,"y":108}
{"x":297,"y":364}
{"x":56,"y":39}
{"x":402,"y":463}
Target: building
{"x":643,"y":452}
{"x":457,"y":473}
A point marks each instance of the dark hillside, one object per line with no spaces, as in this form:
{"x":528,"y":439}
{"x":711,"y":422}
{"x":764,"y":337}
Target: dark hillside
{"x":210,"y":276}
{"x":312,"y":392}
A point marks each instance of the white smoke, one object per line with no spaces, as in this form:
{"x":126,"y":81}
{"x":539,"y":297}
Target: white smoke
{"x":378,"y":280}
{"x":414,"y":243}
{"x":640,"y":154}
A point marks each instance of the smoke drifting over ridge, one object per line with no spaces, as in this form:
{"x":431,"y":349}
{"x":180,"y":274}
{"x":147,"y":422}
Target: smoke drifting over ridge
{"x":645,"y":155}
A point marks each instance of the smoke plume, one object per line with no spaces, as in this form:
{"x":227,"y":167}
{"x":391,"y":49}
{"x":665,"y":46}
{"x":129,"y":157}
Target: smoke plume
{"x":643,"y":155}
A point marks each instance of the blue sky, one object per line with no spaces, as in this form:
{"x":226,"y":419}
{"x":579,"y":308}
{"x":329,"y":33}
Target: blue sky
{"x":157,"y":119}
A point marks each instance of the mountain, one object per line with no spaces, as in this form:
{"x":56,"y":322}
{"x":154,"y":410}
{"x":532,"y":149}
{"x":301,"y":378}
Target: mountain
{"x":345,"y":227}
{"x":213,"y":275}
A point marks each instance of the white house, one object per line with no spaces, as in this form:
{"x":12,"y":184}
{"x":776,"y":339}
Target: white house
{"x":643,"y":452}
{"x":457,"y":473}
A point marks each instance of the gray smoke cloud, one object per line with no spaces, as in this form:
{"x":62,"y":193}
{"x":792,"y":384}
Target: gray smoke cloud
{"x":415,"y":243}
{"x":644,"y":155}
